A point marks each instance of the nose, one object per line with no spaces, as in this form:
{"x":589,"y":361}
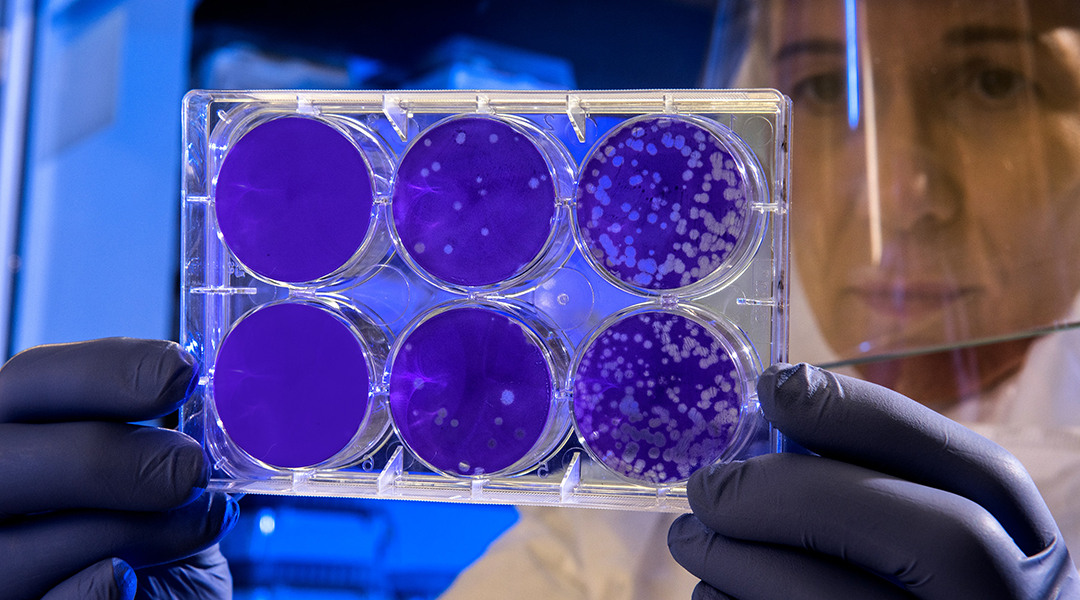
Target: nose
{"x":918,"y":190}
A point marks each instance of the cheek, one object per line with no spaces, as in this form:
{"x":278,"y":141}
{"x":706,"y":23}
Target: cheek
{"x":1062,"y":135}
{"x":827,"y":225}
{"x":1063,"y":215}
{"x":827,"y":178}
{"x":1038,"y":187}
{"x":1024,"y":210}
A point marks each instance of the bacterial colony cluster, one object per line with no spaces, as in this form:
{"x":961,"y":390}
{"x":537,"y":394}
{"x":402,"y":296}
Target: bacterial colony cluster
{"x":664,"y":207}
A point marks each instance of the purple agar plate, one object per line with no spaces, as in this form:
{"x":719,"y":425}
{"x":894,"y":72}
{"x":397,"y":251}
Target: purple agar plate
{"x":294,"y":200}
{"x":471,"y":392}
{"x":474,"y":201}
{"x":664,"y":203}
{"x":657,"y":395}
{"x":291,"y":385}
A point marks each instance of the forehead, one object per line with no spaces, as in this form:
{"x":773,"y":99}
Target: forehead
{"x":919,"y":20}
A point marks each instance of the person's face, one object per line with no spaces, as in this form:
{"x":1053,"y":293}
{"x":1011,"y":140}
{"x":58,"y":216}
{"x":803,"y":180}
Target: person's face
{"x":947,"y":206}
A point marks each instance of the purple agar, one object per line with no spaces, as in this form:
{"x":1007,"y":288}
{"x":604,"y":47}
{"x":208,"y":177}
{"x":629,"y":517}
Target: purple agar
{"x":661,"y":203}
{"x":470,"y":391}
{"x":294,"y":199}
{"x":291,"y":385}
{"x":656,"y":396}
{"x":473,"y":201}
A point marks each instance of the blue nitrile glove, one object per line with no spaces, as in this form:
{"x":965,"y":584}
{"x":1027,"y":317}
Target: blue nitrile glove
{"x":901,"y":503}
{"x":84,"y":496}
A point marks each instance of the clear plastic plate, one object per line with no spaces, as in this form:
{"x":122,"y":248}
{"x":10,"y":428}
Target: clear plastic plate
{"x":546,"y":298}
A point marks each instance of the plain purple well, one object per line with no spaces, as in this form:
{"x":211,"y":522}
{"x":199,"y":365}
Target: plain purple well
{"x":656,"y":396}
{"x":470,"y":391}
{"x":291,"y":385}
{"x":293,"y":199}
{"x":661,"y":203}
{"x":473,"y":201}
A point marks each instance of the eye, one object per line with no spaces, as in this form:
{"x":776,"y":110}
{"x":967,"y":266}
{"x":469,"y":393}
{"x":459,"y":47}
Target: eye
{"x":823,"y":92}
{"x":997,"y":84}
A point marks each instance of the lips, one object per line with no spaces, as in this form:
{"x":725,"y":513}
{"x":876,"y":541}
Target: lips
{"x":908,"y":298}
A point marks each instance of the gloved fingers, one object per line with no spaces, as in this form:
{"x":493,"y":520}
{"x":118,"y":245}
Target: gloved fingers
{"x":113,"y":379}
{"x":756,"y":571}
{"x":704,"y":591}
{"x":108,"y":579}
{"x":204,"y":575}
{"x":865,"y":424}
{"x":42,"y":550}
{"x":935,"y":542}
{"x":97,"y":465}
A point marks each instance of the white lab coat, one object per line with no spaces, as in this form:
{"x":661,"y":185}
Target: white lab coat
{"x":589,"y":554}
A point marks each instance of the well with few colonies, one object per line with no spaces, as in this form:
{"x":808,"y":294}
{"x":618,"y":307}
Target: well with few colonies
{"x":474,"y":201}
{"x":471,"y":391}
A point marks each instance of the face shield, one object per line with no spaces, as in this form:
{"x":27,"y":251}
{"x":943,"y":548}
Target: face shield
{"x":935,"y":193}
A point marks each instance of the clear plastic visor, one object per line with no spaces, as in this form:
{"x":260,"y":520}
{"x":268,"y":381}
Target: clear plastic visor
{"x":936,"y":178}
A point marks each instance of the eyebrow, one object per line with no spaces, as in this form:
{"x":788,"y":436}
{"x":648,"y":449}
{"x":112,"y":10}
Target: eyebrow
{"x":810,"y":46}
{"x":961,"y":36}
{"x":974,"y":34}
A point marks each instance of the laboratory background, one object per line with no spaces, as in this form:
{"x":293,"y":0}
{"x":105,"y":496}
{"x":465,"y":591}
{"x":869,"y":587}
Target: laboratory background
{"x":90,"y":94}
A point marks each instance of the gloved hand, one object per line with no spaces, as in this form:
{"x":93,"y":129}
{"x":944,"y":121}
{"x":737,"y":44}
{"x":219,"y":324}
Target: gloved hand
{"x":86,"y":497}
{"x":901,"y":503}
